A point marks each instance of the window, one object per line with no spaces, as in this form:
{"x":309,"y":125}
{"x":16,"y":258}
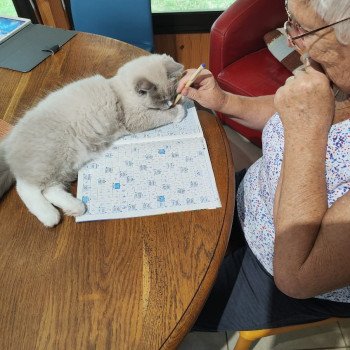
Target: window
{"x":161,"y":6}
{"x":18,"y":8}
{"x":186,"y":16}
{"x":7,"y":8}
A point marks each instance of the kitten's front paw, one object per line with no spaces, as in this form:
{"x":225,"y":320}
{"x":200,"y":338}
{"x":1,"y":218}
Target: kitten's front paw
{"x":50,"y":217}
{"x":75,"y":208}
{"x":181,"y":113}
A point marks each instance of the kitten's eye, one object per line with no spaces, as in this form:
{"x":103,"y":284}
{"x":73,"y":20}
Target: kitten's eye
{"x":142,"y":92}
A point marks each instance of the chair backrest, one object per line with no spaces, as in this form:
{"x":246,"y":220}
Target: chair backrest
{"x":125,"y":20}
{"x":236,"y":49}
{"x":240,"y":30}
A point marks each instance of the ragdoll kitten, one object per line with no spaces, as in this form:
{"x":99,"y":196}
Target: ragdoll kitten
{"x":72,"y":125}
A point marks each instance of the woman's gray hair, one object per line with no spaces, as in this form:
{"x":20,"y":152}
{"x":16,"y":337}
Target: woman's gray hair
{"x":332,"y":11}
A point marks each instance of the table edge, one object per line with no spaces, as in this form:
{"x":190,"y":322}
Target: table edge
{"x":189,"y":316}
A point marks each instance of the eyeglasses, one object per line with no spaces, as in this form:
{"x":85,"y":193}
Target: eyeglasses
{"x":295,"y":31}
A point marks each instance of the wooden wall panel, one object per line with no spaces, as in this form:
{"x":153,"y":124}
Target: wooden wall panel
{"x":189,"y":49}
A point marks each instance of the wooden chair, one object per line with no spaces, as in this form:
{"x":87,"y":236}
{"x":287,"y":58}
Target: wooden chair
{"x":246,"y":338}
{"x":52,"y":13}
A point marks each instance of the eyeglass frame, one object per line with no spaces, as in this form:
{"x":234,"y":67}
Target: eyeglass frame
{"x":292,"y":38}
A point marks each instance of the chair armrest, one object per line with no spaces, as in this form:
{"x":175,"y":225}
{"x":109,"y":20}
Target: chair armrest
{"x":240,"y":30}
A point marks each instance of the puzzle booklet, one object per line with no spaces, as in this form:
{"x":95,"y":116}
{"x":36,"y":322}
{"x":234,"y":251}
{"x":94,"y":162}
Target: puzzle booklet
{"x":164,"y":170}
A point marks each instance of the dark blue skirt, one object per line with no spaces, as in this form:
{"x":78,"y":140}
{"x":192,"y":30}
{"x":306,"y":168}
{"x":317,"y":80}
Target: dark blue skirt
{"x":245,"y":297}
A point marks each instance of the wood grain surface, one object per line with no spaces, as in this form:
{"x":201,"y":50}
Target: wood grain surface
{"x":189,"y":49}
{"x":119,"y":284}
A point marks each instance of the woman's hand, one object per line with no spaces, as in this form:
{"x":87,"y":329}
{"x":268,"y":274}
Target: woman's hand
{"x":306,"y":103}
{"x":205,"y":90}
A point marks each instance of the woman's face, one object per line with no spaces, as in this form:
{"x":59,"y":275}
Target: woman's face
{"x":322,"y":46}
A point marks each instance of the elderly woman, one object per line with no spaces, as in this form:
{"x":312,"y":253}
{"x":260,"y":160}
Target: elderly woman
{"x":293,"y":203}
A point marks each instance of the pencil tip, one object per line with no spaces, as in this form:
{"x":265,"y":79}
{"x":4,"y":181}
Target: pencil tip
{"x":203,"y":65}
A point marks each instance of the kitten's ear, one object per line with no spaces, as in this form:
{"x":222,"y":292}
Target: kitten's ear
{"x":143,"y":86}
{"x":174,"y":69}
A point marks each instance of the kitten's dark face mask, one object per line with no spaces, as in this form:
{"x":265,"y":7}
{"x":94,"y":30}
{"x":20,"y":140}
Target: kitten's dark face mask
{"x":156,"y":96}
{"x":160,"y":93}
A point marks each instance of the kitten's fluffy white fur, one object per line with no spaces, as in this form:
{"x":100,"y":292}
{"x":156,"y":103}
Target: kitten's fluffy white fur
{"x":72,"y":125}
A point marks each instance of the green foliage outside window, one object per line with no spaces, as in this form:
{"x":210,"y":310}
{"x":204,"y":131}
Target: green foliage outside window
{"x":7,"y":8}
{"x":189,"y":5}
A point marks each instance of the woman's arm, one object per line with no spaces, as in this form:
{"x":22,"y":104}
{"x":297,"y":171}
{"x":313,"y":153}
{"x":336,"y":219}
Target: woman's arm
{"x":252,"y":112}
{"x":312,"y":242}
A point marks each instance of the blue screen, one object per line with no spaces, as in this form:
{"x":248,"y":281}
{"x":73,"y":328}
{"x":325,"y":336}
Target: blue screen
{"x":7,"y":25}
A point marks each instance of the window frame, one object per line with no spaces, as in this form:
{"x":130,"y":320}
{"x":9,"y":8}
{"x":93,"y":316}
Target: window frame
{"x":163,"y":22}
{"x":24,"y":9}
{"x":175,"y":22}
{"x":184,"y":22}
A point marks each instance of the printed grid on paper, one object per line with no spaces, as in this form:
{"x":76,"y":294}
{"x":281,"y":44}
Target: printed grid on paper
{"x":149,"y":179}
{"x":160,"y":171}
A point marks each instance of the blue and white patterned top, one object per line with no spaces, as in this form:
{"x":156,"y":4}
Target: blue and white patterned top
{"x":256,"y":193}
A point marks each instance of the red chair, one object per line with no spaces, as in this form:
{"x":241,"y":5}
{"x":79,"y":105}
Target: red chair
{"x":239,"y":58}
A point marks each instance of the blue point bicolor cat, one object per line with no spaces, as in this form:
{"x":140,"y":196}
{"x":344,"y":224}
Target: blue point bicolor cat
{"x":72,"y":125}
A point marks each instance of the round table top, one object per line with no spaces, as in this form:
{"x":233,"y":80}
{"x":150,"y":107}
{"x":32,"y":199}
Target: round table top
{"x":133,"y":283}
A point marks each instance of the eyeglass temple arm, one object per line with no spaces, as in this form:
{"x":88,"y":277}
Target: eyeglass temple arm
{"x":316,"y":30}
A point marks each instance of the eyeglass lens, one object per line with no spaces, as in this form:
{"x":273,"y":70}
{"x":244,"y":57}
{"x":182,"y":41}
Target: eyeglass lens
{"x":293,"y":29}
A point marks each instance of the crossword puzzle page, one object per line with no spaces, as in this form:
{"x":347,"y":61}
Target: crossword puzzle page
{"x":155,"y":172}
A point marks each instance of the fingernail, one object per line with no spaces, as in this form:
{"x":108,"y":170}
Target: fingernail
{"x":305,"y":59}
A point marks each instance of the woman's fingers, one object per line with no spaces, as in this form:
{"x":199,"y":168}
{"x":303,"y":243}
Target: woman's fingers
{"x":204,"y":89}
{"x":184,"y":80}
{"x":305,"y":103}
{"x":203,"y":75}
{"x":289,"y":79}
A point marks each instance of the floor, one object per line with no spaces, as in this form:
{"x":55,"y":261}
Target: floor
{"x":328,"y":337}
{"x":332,"y":336}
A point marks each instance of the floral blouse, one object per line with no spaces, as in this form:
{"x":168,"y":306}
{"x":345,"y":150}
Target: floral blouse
{"x":256,"y":193}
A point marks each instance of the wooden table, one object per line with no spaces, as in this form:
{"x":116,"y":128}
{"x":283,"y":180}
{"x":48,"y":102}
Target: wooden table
{"x":118,"y":284}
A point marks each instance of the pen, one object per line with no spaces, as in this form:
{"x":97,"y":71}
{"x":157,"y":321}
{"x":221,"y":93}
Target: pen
{"x":190,"y":81}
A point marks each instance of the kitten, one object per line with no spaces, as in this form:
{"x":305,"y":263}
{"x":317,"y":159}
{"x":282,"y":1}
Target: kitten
{"x":72,"y":125}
